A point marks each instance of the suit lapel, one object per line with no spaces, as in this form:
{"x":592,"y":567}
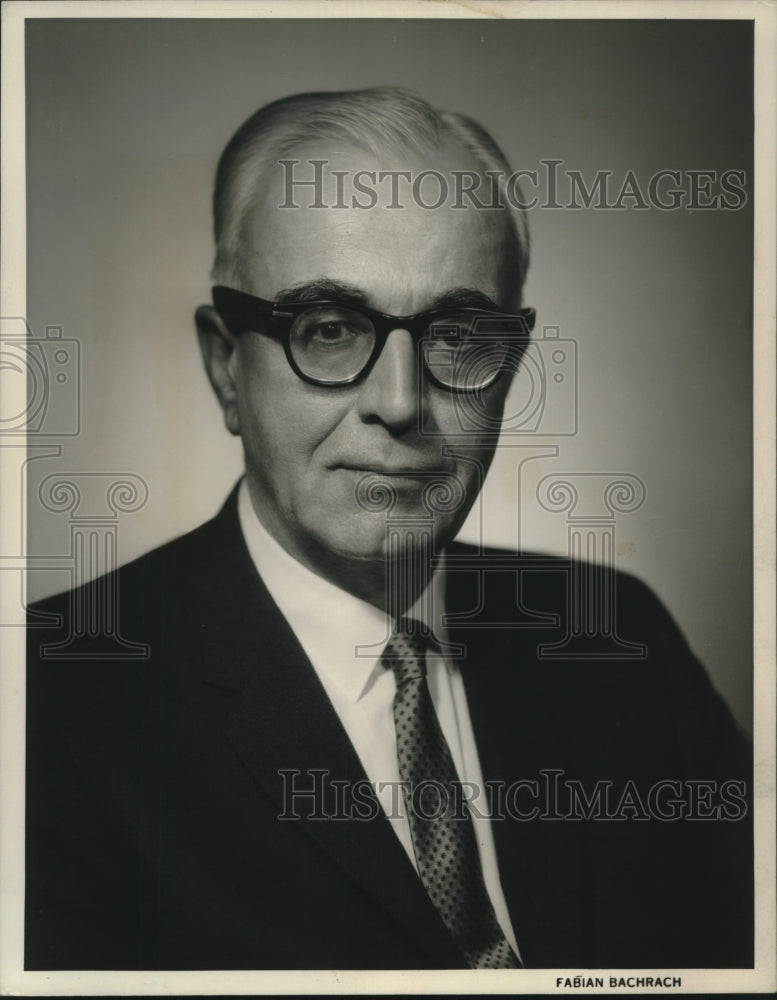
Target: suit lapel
{"x":283,"y":721}
{"x":540,"y":862}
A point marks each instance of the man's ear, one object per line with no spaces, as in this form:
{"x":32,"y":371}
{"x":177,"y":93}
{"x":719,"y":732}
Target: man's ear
{"x":217,"y":346}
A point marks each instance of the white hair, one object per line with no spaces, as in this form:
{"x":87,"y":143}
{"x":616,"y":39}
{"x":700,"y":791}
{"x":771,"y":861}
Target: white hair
{"x":379,"y":119}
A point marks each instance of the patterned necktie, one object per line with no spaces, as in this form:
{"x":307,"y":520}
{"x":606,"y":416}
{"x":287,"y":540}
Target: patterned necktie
{"x":445,"y":847}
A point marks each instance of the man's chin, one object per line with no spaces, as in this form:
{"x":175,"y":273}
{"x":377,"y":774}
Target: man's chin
{"x":378,"y":539}
{"x":388,"y":568}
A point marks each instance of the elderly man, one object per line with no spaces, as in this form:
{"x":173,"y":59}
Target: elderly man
{"x":327,"y":761}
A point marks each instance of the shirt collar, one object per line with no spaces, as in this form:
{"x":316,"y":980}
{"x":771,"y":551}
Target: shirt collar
{"x":342,"y":635}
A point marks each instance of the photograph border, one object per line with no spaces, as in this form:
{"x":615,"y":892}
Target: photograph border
{"x":763,"y":978}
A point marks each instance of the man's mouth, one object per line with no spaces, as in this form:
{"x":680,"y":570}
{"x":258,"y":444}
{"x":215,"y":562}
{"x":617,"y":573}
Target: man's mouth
{"x":391,"y":470}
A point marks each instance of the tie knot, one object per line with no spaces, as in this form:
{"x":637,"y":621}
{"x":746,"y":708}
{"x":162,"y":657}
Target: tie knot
{"x":405,"y":652}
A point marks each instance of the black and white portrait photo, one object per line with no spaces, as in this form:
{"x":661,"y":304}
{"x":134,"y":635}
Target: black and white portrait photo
{"x":387,"y":539}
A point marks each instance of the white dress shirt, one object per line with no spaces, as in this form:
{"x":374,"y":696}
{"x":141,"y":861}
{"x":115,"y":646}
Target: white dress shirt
{"x":344,"y":638}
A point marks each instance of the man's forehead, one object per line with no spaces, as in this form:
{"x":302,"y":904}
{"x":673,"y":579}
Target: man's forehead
{"x":390,"y":243}
{"x":396,"y":268}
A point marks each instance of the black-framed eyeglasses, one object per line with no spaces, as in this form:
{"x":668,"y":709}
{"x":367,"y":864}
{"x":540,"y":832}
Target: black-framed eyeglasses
{"x":330,"y":343}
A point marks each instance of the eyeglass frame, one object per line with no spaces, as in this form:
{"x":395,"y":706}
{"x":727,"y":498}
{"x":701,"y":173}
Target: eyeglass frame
{"x":238,"y":310}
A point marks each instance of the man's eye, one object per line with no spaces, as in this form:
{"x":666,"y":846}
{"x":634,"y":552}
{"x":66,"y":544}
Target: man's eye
{"x":332,"y":333}
{"x":331,"y":328}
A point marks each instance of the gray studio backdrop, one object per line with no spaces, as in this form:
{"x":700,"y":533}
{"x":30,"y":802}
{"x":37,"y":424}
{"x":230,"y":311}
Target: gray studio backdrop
{"x":125,"y":121}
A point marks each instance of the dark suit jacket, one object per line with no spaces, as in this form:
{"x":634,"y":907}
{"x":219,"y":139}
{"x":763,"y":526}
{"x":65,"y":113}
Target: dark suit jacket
{"x":153,"y":837}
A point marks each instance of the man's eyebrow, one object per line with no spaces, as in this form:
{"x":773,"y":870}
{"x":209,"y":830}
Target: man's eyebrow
{"x":322,"y":288}
{"x":464,"y":298}
{"x":460,"y":297}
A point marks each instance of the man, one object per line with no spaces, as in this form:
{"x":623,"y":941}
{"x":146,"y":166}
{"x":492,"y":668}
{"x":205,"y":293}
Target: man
{"x":327,"y":761}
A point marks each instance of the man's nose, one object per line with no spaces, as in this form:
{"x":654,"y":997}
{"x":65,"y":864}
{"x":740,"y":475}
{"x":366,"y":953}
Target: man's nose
{"x":390,"y":392}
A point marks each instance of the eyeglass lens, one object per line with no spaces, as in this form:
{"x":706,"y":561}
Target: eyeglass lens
{"x":333,"y":344}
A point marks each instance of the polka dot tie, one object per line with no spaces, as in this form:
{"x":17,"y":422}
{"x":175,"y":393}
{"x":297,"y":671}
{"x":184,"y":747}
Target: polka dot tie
{"x":441,"y":827}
